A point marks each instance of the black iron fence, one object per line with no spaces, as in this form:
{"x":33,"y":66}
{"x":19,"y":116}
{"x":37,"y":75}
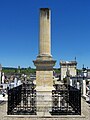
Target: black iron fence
{"x":22,"y":100}
{"x":75,"y":99}
{"x":66,"y":101}
{"x":14,"y":98}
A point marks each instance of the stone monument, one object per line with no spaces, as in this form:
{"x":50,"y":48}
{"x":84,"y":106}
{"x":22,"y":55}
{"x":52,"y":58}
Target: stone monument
{"x":70,"y":65}
{"x":44,"y":62}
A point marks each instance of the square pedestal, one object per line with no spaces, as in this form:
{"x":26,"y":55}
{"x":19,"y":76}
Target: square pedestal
{"x":44,"y":78}
{"x":44,"y":101}
{"x":44,"y":86}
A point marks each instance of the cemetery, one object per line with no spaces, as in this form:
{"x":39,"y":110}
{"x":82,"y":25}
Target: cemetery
{"x":43,"y":94}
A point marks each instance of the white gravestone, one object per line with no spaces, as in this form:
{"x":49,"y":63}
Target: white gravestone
{"x":19,"y":82}
{"x":15,"y":82}
{"x":78,"y":86}
{"x":84,"y":88}
{"x":70,"y":82}
{"x":3,"y":78}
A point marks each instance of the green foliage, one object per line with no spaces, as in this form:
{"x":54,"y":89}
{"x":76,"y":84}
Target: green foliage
{"x":79,"y":71}
{"x":57,"y":70}
{"x":8,"y":70}
{"x":65,"y":80}
{"x":26,"y":71}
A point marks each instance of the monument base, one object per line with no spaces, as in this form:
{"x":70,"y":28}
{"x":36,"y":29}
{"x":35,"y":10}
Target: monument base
{"x":44,"y":84}
{"x":44,"y":100}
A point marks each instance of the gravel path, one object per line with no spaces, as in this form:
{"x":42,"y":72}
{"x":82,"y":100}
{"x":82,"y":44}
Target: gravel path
{"x":85,"y":114}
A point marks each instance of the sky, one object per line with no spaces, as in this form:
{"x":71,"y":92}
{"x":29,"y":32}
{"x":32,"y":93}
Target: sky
{"x":19,"y":31}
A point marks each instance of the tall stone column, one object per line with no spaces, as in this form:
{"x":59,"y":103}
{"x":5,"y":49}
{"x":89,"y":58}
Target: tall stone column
{"x":45,"y":35}
{"x":45,"y":48}
{"x":44,"y":63}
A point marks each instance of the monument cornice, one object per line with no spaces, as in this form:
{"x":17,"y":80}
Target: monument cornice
{"x":44,"y":64}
